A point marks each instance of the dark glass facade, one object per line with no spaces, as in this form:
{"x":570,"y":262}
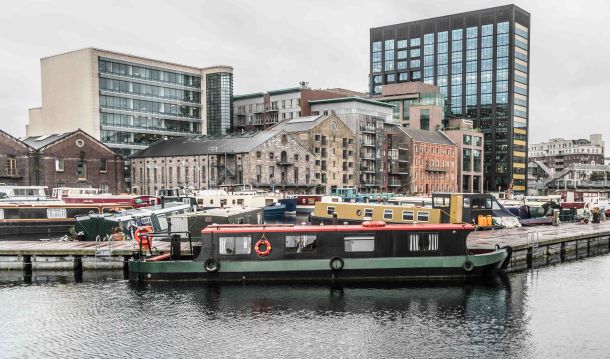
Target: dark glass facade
{"x":219,"y":93}
{"x":480,"y":61}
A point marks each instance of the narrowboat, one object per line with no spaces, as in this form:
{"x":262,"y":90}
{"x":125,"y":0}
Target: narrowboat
{"x":291,"y":204}
{"x":477,"y":209}
{"x":275,"y":210}
{"x":307,"y":203}
{"x":368,"y":252}
{"x":92,"y":225}
{"x":17,"y":194}
{"x":46,"y":218}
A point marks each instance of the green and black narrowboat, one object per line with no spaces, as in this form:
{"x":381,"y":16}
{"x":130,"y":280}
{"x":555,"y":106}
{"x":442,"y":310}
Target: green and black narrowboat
{"x":371,"y":251}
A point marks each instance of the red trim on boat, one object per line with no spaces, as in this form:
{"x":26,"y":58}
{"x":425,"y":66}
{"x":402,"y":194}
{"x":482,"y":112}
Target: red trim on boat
{"x":274,"y":228}
{"x":158,"y":258}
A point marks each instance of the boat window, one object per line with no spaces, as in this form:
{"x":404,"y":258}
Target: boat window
{"x":162,"y":222}
{"x":441,"y":201}
{"x":478,"y":203}
{"x":145,"y":221}
{"x":388,"y":214}
{"x":223,"y":202}
{"x":234,"y":245}
{"x":56,"y":213}
{"x":240,"y":220}
{"x":330,"y":210}
{"x":306,"y":243}
{"x":488,"y":203}
{"x":1,"y":214}
{"x":423,"y":242}
{"x":240,"y":201}
{"x":423,"y":216}
{"x":407,"y":215}
{"x":359,"y":243}
{"x":466,"y":202}
{"x":368,"y":212}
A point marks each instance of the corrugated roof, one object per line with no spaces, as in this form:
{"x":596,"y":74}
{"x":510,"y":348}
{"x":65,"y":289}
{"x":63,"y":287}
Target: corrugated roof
{"x":38,"y":142}
{"x":300,"y":123}
{"x":203,"y":145}
{"x":352,"y":98}
{"x":427,"y":136}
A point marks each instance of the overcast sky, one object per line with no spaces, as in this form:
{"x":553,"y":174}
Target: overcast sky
{"x":276,"y":44}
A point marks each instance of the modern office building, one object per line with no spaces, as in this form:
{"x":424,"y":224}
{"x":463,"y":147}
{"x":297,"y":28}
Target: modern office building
{"x":480,"y":62}
{"x":128,"y":102}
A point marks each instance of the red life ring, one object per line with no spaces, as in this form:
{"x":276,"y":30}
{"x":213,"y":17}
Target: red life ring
{"x":141,"y":235}
{"x":373,"y":224}
{"x":262,"y":242}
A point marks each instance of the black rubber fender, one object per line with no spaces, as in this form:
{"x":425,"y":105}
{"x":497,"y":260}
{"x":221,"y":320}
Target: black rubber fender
{"x":336,"y":264}
{"x":211,"y":265}
{"x":468,"y":266}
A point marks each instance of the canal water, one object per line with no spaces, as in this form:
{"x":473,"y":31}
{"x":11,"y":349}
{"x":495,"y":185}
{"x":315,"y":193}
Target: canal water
{"x":554,"y":312}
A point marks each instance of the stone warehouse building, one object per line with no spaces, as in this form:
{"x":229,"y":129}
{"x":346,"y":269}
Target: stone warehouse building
{"x":333,"y":145}
{"x":268,"y":159}
{"x":72,"y":159}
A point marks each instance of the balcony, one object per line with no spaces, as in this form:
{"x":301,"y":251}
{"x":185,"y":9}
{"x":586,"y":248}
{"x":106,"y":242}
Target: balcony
{"x":430,"y":168}
{"x":367,"y":144}
{"x":369,"y":129}
{"x":284,"y":162}
{"x":394,"y":184}
{"x":368,"y":169}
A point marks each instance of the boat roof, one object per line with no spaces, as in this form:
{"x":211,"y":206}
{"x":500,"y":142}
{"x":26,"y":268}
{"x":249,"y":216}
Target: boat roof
{"x":289,"y":228}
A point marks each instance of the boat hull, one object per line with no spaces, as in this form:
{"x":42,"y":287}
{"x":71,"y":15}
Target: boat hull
{"x":385,"y":269}
{"x":42,"y":228}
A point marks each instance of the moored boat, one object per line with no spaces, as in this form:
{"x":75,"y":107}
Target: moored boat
{"x":46,"y":219}
{"x":372,"y":251}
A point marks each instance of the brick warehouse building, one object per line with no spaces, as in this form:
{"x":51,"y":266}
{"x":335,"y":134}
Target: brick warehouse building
{"x":72,"y":159}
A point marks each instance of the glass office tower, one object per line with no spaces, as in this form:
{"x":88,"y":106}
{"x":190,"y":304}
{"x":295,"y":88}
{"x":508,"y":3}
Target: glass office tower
{"x":480,"y":61}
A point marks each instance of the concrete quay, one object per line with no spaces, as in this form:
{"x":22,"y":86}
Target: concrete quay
{"x":545,"y":245}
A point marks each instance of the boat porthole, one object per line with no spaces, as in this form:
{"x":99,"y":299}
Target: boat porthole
{"x":211,"y":265}
{"x":359,"y":213}
{"x":336,"y":264}
{"x":468,"y":266}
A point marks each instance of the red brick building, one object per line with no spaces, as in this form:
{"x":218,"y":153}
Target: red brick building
{"x":72,"y":159}
{"x":432,"y":162}
{"x":14,"y":161}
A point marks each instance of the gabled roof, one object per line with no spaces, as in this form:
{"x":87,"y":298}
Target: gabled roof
{"x":38,"y":142}
{"x":204,"y":145}
{"x":15,"y":139}
{"x":427,"y":136}
{"x":300,"y":124}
